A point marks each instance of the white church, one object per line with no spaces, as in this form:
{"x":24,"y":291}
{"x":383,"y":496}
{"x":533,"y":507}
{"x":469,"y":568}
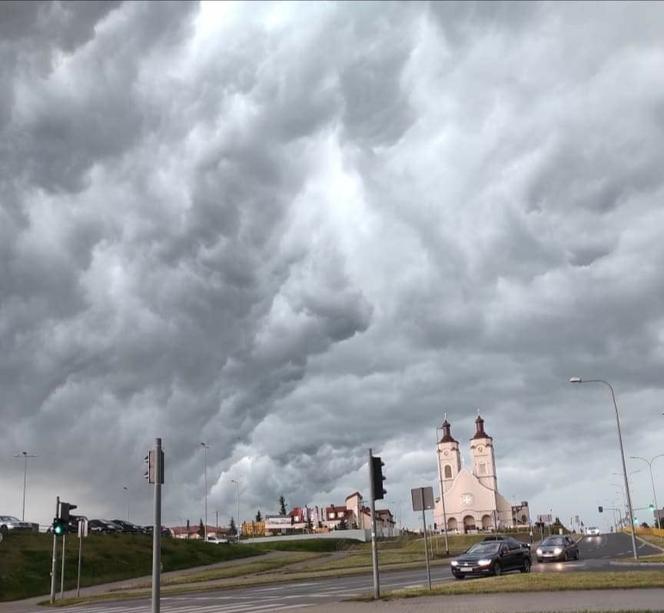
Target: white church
{"x":469,"y":499}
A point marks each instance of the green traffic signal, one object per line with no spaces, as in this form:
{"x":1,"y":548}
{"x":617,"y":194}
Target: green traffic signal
{"x":59,"y":527}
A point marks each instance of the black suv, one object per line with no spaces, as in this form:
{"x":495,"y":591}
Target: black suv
{"x":492,"y":557}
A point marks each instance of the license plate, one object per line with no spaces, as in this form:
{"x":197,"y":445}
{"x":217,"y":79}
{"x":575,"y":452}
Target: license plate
{"x":466,"y":569}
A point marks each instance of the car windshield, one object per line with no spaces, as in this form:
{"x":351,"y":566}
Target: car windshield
{"x":489,"y":547}
{"x":555,"y":540}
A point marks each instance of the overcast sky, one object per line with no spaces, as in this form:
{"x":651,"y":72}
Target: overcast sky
{"x":297,"y":231}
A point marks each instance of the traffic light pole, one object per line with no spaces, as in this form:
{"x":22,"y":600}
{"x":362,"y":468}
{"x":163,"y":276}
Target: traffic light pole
{"x":54,"y":560}
{"x":374,"y":548}
{"x":156,"y":530}
{"x":62,"y":572}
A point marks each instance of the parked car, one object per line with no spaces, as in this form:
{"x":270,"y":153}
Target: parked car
{"x":102,"y":526}
{"x":557,"y":548}
{"x":10,"y":523}
{"x":127,"y":527}
{"x":217,"y":540}
{"x":592,"y":531}
{"x":165,"y":532}
{"x":492,"y":558}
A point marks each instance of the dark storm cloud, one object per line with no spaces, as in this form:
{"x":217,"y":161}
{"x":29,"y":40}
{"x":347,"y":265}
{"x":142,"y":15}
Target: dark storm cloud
{"x":295,"y":231}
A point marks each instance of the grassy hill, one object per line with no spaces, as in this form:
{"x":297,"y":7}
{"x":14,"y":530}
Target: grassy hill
{"x":25,"y":560}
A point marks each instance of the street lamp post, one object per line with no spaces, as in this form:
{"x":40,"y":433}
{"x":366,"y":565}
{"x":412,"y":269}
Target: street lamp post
{"x":126,"y":489}
{"x":652,"y":481}
{"x":25,"y":455}
{"x":622,"y":456}
{"x":205,"y":448}
{"x":237,"y":502}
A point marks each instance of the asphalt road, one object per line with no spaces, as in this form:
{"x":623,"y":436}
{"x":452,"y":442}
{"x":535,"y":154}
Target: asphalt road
{"x":596,"y":553}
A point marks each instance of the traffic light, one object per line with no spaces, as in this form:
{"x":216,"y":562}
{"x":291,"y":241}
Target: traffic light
{"x":377,"y":478}
{"x":59,"y":526}
{"x":63,"y":512}
{"x":600,"y":509}
{"x":147,"y":459}
{"x":151,"y":460}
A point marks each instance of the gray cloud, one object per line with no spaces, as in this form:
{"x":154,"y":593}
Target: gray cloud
{"x":299,"y":231}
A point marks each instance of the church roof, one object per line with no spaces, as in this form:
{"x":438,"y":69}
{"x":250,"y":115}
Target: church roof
{"x":479,"y":429}
{"x":447,"y":435}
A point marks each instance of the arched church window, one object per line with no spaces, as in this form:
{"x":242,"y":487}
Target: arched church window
{"x":482,"y":468}
{"x":448,"y":471}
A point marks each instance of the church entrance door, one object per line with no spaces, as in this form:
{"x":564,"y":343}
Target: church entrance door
{"x":468,"y":523}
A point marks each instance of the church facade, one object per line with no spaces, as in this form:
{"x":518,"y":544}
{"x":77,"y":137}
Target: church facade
{"x":469,"y":499}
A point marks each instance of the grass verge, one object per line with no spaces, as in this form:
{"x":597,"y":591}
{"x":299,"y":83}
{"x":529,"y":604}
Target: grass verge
{"x":25,"y":560}
{"x":542,"y":582}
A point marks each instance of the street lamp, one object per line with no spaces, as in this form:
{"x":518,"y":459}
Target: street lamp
{"x":622,"y":456}
{"x":237,"y":502}
{"x":205,"y":448}
{"x":652,"y":480}
{"x":25,"y":455}
{"x":126,"y":489}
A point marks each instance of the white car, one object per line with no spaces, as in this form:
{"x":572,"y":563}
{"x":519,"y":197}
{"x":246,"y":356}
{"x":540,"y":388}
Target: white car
{"x":9,"y":522}
{"x":216,"y":540}
{"x":592,"y":531}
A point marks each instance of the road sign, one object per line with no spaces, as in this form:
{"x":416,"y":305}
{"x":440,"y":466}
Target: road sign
{"x":422,"y":498}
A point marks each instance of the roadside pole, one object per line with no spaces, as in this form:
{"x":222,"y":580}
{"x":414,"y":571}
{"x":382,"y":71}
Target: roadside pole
{"x":62,"y":572}
{"x":426,"y":544}
{"x":82,"y":532}
{"x":374,"y":548}
{"x":422,"y":499}
{"x":157,"y":479}
{"x":54,"y":560}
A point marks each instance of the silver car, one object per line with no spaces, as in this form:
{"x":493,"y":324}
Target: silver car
{"x":9,"y":522}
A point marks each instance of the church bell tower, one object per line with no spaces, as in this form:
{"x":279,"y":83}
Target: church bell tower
{"x":484,"y":462}
{"x":449,"y":458}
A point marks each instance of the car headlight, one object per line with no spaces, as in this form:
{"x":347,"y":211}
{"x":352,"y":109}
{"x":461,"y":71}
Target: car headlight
{"x":557,"y":550}
{"x":484,"y":562}
{"x":454,"y":563}
{"x":539,"y":551}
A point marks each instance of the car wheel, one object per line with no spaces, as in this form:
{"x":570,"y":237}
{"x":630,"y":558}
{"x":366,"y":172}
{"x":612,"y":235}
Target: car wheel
{"x":540,"y":560}
{"x":577,"y":555}
{"x":497,"y":569}
{"x":4,"y":530}
{"x":526,"y":566}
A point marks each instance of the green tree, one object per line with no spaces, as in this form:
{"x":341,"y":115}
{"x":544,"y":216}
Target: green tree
{"x":259,"y":517}
{"x":232,"y":528}
{"x":282,"y":506}
{"x":201,"y":529}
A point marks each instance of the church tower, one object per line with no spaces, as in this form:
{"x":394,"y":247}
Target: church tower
{"x":484,"y":462}
{"x":449,"y":458}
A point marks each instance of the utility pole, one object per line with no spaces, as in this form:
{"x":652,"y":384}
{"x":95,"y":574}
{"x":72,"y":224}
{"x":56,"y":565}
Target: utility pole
{"x":25,"y":455}
{"x":205,"y":448}
{"x":374,"y":547}
{"x":54,"y":559}
{"x":156,"y":477}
